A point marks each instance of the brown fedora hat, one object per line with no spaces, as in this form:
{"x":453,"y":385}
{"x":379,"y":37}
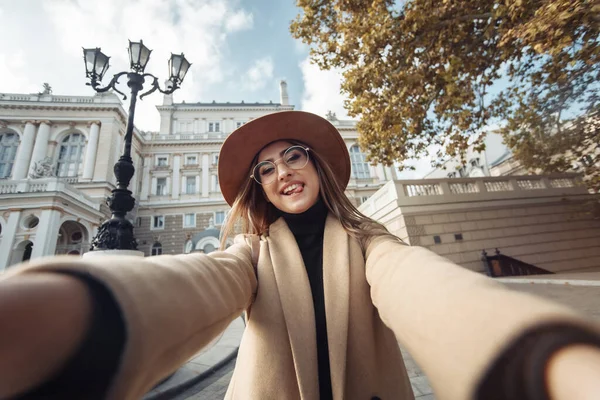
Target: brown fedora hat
{"x":240,"y":148}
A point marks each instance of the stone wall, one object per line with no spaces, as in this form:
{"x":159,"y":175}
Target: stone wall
{"x":544,"y":221}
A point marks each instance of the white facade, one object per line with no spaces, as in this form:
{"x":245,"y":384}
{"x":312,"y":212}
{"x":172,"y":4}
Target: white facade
{"x":52,"y":183}
{"x":56,"y":159}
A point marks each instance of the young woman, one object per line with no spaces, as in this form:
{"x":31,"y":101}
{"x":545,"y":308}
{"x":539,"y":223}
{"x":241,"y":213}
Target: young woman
{"x":328,"y":293}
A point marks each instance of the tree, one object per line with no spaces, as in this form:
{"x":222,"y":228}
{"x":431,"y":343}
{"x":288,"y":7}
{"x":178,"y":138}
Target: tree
{"x":423,"y":74}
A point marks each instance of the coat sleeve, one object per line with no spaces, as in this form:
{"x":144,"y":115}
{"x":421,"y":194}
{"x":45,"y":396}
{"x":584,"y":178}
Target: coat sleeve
{"x":453,"y":321}
{"x":172,"y":305}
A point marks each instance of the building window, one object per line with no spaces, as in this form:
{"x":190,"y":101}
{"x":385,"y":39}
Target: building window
{"x":360,"y":169}
{"x":219,"y":217}
{"x":215,"y":160}
{"x":70,"y":155}
{"x":161,"y":186}
{"x":9,"y":142}
{"x":189,"y":246}
{"x":238,"y":124}
{"x":158,"y":222}
{"x":216,"y":187}
{"x":161,"y":161}
{"x":31,"y":222}
{"x":138,"y":222}
{"x":475,"y":162}
{"x":214,"y":127}
{"x":452,"y":175}
{"x":190,"y":184}
{"x":156,"y":249}
{"x":437,"y":239}
{"x":458,"y":236}
{"x":191,"y":160}
{"x":189,"y":220}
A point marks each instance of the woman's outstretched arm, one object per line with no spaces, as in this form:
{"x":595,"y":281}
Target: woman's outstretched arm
{"x":172,"y":306}
{"x":43,"y":319}
{"x":459,"y":325}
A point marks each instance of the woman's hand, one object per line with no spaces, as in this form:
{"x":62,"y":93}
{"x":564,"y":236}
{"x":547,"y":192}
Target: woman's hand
{"x":574,"y":373}
{"x":43,"y":319}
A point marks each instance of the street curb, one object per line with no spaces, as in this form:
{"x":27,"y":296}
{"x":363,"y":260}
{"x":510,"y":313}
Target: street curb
{"x":183,"y":386}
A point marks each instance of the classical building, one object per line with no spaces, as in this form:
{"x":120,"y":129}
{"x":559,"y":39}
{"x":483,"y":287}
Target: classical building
{"x":56,"y":160}
{"x":547,"y":221}
{"x":180,"y":198}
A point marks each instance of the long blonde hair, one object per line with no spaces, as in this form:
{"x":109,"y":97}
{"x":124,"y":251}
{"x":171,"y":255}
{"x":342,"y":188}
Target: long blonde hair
{"x":251,"y":213}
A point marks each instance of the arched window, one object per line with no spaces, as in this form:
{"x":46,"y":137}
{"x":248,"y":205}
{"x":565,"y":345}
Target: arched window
{"x":156,"y":249}
{"x":9,"y":142}
{"x":70,"y":155}
{"x":360,"y":168}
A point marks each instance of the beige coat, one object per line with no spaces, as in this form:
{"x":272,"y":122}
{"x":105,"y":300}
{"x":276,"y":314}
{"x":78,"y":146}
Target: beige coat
{"x":453,"y":321}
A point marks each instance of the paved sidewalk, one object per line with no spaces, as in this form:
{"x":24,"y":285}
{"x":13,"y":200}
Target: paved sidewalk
{"x":203,"y":364}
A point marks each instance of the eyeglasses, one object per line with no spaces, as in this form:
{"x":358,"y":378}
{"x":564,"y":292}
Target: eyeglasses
{"x":295,"y":157}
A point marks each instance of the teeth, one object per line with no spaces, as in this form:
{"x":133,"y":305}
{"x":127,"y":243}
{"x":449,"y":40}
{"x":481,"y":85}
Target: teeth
{"x":290,"y":188}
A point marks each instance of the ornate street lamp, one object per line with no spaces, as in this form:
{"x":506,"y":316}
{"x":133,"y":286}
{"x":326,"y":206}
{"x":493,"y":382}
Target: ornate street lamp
{"x":117,"y":232}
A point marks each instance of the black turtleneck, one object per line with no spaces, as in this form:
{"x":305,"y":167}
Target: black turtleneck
{"x":308,"y":229}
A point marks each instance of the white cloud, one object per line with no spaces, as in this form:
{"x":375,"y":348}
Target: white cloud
{"x":259,"y":74}
{"x":300,"y":47}
{"x":239,"y":21}
{"x":14,"y":75}
{"x":322,"y":90}
{"x":49,"y":35}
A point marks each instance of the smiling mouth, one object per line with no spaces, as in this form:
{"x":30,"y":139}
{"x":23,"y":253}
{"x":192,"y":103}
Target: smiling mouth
{"x":293,"y":189}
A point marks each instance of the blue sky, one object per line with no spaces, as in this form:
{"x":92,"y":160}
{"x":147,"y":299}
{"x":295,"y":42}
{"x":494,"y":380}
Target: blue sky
{"x":240,"y":50}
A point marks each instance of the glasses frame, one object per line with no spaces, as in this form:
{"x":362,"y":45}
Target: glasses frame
{"x":306,"y":149}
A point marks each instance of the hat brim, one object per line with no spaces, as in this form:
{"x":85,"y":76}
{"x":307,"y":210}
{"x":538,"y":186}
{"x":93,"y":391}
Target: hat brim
{"x":242,"y":145}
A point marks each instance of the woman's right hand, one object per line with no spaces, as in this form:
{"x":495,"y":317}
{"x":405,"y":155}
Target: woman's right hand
{"x":43,"y":319}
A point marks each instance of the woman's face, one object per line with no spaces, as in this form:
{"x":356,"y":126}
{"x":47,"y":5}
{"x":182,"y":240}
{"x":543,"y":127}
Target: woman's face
{"x":293,"y":190}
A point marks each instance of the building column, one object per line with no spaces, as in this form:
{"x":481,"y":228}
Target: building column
{"x":176,"y":176}
{"x":381,"y":173}
{"x":47,"y":233}
{"x":153,"y":185}
{"x":205,"y":178}
{"x":146,"y":178}
{"x":21,"y":166}
{"x":40,"y":148}
{"x":391,"y":173}
{"x":91,"y":151}
{"x":8,"y":238}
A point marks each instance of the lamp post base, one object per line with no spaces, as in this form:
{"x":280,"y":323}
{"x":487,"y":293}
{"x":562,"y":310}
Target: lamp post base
{"x":103,"y":253}
{"x":114,"y":234}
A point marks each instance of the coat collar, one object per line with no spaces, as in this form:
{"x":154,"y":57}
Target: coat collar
{"x":296,"y":301}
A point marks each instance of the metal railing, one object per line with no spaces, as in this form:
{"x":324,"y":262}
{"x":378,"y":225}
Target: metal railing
{"x":500,"y":265}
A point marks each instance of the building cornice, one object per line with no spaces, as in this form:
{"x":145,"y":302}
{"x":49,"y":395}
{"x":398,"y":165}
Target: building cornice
{"x":23,"y":106}
{"x":248,"y":107}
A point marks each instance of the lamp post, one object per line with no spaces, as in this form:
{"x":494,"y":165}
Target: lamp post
{"x":117,"y":232}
